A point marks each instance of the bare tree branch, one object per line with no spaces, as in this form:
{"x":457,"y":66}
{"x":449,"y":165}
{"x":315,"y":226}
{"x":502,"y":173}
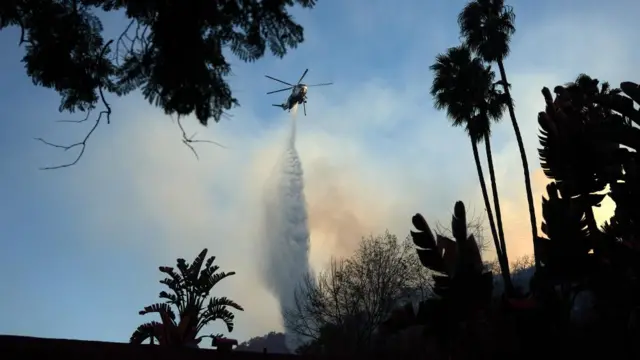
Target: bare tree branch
{"x":82,"y":144}
{"x":77,"y":121}
{"x":475,"y":225}
{"x":346,"y":303}
{"x":189,"y":140}
{"x":126,"y":45}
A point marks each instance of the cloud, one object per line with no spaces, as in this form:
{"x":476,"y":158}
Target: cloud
{"x":373,"y":153}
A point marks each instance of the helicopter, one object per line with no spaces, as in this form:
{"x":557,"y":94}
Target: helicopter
{"x":298,"y":93}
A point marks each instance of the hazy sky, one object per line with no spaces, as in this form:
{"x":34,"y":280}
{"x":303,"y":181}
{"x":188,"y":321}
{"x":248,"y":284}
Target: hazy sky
{"x":81,"y":246}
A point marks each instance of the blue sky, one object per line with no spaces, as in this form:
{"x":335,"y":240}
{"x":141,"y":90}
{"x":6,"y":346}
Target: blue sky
{"x":81,"y":246}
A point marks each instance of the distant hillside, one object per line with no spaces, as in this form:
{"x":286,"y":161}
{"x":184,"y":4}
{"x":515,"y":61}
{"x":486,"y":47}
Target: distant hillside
{"x":519,"y":277}
{"x":274,"y":342}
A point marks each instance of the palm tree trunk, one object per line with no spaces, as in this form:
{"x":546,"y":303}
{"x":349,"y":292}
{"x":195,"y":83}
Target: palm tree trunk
{"x":523,"y":156}
{"x":487,"y":204}
{"x":504,"y":259}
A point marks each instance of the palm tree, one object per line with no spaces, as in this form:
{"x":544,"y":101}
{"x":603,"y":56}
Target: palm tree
{"x":190,"y":288}
{"x":487,"y":27}
{"x":461,"y":86}
{"x":490,"y":110}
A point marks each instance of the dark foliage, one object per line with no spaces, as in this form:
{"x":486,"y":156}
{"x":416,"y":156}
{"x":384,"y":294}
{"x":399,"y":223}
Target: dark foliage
{"x":462,"y":285}
{"x":172,"y":51}
{"x":487,"y":27}
{"x":273,"y":343}
{"x":190,"y":288}
{"x":589,"y":143}
{"x":464,"y":86}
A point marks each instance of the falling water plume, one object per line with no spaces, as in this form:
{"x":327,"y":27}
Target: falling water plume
{"x":286,"y":251}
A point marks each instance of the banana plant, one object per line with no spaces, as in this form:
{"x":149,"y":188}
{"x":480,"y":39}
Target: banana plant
{"x":566,"y":253}
{"x":190,"y":288}
{"x":457,"y":264}
{"x":462,"y":286}
{"x":589,"y":142}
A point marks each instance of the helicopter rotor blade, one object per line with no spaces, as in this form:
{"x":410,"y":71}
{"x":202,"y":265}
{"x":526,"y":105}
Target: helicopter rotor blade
{"x":278,"y":80}
{"x":323,"y":84}
{"x":277,"y":91}
{"x":304,"y":108}
{"x":303,"y":75}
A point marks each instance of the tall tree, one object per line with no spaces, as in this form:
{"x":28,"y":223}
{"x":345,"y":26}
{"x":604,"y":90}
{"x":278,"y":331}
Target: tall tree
{"x":461,"y":86}
{"x":190,"y":288}
{"x":172,"y":50}
{"x":342,"y":307}
{"x":486,"y":27}
{"x":491,"y":106}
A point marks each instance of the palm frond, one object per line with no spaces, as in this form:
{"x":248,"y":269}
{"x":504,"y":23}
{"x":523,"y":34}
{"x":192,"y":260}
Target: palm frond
{"x":224,"y":302}
{"x":565,"y":251}
{"x":429,"y":253}
{"x":161,"y":308}
{"x":178,"y":292}
{"x":194,"y":268}
{"x":208,"y":266}
{"x":147,"y":331}
{"x":459,"y":223}
{"x":170,"y":271}
{"x":214,"y":279}
{"x":171,"y":298}
{"x":572,"y":128}
{"x":461,"y":86}
{"x":183,"y":267}
{"x":217,"y":310}
{"x":487,"y":27}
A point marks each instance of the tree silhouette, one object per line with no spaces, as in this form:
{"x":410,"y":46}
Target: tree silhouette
{"x":571,"y":155}
{"x":486,"y":27}
{"x":490,"y":107}
{"x":463,"y":287}
{"x":589,"y":140}
{"x":462,"y":86}
{"x":343,"y":305}
{"x":190,"y":288}
{"x":173,"y":51}
{"x":273,"y":343}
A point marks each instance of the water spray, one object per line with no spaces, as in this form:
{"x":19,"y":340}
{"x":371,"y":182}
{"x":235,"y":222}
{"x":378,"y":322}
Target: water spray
{"x":286,"y":251}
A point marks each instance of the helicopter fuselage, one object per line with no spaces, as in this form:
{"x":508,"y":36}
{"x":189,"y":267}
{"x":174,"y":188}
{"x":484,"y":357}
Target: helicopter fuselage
{"x":298,"y":94}
{"x":298,"y":97}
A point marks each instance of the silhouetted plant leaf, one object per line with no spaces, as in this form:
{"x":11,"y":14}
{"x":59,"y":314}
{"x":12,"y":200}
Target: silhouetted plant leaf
{"x":191,"y":287}
{"x":146,"y":331}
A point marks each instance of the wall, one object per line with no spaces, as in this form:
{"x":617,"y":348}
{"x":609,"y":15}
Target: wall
{"x":20,"y":347}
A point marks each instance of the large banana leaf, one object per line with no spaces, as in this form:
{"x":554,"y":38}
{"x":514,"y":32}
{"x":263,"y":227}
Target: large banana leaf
{"x":569,"y":153}
{"x":460,"y":278}
{"x":565,"y":253}
{"x":431,"y":249}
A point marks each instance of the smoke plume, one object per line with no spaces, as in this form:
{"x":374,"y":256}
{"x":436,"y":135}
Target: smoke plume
{"x":286,"y":252}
